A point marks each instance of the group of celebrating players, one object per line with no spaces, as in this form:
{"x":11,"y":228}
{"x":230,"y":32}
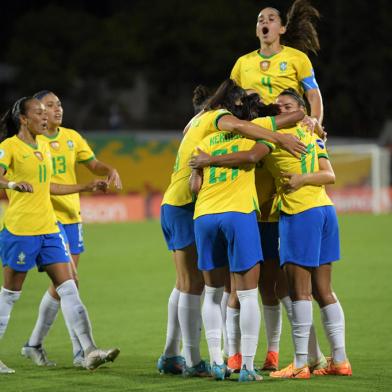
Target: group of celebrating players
{"x":42,"y":224}
{"x":247,"y":211}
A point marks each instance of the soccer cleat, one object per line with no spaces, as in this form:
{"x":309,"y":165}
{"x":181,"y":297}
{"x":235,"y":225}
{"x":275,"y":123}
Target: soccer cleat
{"x":171,"y":365}
{"x":4,"y":369}
{"x":38,"y":355}
{"x":249,"y":375}
{"x":338,"y":369}
{"x":78,"y":359}
{"x":234,"y":363}
{"x":271,"y":361}
{"x":292,"y":372}
{"x":98,"y":357}
{"x":202,"y":369}
{"x":220,"y":372}
{"x":321,"y":363}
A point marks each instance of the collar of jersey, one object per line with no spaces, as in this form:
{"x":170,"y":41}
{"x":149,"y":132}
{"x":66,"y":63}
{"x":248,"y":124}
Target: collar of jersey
{"x":263,"y":56}
{"x":34,"y":147}
{"x":54,"y":136}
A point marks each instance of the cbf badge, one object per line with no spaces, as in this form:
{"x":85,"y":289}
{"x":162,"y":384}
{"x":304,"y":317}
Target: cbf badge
{"x":39,"y":155}
{"x":283,"y":66}
{"x":264,"y":65}
{"x":55,"y":145}
{"x":70,"y":144}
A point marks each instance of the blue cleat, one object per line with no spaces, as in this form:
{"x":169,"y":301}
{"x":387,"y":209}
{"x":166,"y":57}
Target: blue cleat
{"x":202,"y":369}
{"x":249,"y":375}
{"x":220,"y":372}
{"x":171,"y":365}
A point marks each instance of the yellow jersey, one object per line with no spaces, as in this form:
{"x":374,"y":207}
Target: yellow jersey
{"x":67,"y":148}
{"x":279,"y":160}
{"x":270,"y":75}
{"x":265,"y":183}
{"x":224,"y":189}
{"x":178,"y":192}
{"x":28,"y":213}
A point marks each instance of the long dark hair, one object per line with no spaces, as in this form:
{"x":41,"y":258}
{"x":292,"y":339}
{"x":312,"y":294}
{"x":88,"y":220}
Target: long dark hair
{"x":10,"y":123}
{"x":300,"y":22}
{"x":200,"y":96}
{"x":254,"y":107}
{"x":226,"y":97}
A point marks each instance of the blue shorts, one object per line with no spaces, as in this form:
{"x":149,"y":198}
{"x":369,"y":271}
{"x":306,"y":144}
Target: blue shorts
{"x":228,"y":238}
{"x":269,"y":234}
{"x":73,"y":234}
{"x":177,"y":225}
{"x":23,"y":252}
{"x":310,"y":238}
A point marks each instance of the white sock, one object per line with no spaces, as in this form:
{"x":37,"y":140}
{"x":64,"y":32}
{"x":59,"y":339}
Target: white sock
{"x":314,"y":352}
{"x":47,"y":313}
{"x":7,"y":301}
{"x":250,"y":325}
{"x":212,"y":319}
{"x":302,"y":322}
{"x":189,"y":318}
{"x":173,"y":330}
{"x":76,"y":346}
{"x":225,"y":300}
{"x":233,"y":330}
{"x":75,"y":314}
{"x":273,"y":326}
{"x":288,"y":305}
{"x":333,"y":320}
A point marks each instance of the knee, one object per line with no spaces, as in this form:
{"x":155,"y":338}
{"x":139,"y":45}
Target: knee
{"x":67,"y":288}
{"x":10,"y":296}
{"x":324,"y":297}
{"x":300,"y":295}
{"x":190,"y":284}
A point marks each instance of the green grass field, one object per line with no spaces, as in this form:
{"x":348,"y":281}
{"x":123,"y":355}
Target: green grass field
{"x":126,"y":276}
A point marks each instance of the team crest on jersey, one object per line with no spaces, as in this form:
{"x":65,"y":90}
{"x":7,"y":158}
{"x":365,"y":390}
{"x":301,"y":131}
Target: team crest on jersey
{"x":70,"y":144}
{"x":2,"y":153}
{"x":283,"y":66}
{"x":39,"y":155}
{"x":264,"y":65}
{"x":21,"y":258}
{"x":55,"y":145}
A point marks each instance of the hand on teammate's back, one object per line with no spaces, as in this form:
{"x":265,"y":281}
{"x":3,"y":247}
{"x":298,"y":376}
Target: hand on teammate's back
{"x":199,"y":161}
{"x":292,"y":144}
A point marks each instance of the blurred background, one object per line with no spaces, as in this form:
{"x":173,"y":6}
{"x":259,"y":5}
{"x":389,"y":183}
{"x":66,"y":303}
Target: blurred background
{"x":125,"y":72}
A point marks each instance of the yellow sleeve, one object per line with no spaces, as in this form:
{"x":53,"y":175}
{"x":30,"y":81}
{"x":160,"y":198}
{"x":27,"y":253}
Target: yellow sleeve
{"x":321,"y":149}
{"x":305,"y":73}
{"x":5,"y":155}
{"x":220,"y":113}
{"x":236,"y":72}
{"x":266,"y":122}
{"x":83,"y":151}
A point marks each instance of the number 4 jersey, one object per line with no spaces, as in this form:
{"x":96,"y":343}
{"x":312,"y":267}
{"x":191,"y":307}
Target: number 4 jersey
{"x":28,"y":213}
{"x":226,"y":189}
{"x":67,"y":148}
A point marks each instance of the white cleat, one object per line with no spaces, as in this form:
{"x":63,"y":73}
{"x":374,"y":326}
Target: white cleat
{"x":37,"y":355}
{"x":4,"y":369}
{"x":98,"y":357}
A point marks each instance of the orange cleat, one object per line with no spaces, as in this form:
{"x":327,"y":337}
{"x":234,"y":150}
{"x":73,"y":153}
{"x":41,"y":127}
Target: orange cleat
{"x":234,"y":363}
{"x":335,"y":369}
{"x":271,"y":361}
{"x":292,"y":372}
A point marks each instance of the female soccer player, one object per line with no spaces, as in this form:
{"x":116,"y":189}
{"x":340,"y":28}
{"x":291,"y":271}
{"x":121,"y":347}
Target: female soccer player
{"x":31,"y":235}
{"x":306,"y":212}
{"x":270,"y":70}
{"x":67,"y":148}
{"x":177,"y":225}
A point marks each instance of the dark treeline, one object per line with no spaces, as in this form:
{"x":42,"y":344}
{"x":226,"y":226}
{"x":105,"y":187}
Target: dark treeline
{"x":134,"y":64}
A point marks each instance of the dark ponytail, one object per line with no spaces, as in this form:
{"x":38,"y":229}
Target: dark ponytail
{"x":200,"y":97}
{"x":10,"y":123}
{"x":301,"y":30}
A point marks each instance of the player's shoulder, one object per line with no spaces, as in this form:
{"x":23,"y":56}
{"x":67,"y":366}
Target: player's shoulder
{"x":292,"y":52}
{"x":70,"y":133}
{"x":248,"y":56}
